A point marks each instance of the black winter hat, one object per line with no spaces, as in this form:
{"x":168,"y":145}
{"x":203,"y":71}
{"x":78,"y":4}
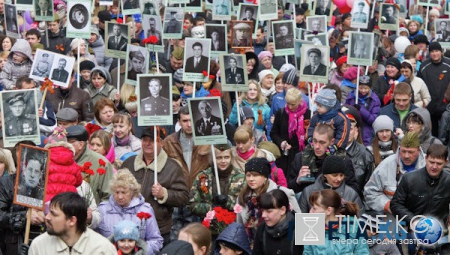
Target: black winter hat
{"x":259,"y":165}
{"x":177,"y":247}
{"x":421,"y":39}
{"x":434,"y":46}
{"x":333,"y":165}
{"x":86,"y":65}
{"x":394,"y":62}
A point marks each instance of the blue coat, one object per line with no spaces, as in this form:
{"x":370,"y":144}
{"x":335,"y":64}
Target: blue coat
{"x":112,"y":213}
{"x":392,"y":113}
{"x":233,"y":118}
{"x":234,"y":234}
{"x":340,"y":248}
{"x":369,"y":112}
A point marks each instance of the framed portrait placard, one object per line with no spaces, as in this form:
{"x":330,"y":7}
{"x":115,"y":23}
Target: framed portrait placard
{"x":24,"y":5}
{"x":429,"y":3}
{"x":233,"y":68}
{"x":196,"y":59}
{"x":360,"y":47}
{"x":154,"y":94}
{"x":218,"y":35}
{"x":283,"y":37}
{"x":31,"y":177}
{"x":173,"y":23}
{"x":12,"y":27}
{"x":268,"y":10}
{"x":61,"y":69}
{"x":376,"y":42}
{"x":249,"y":12}
{"x":20,"y":116}
{"x":360,"y":14}
{"x":151,"y":24}
{"x":389,"y":17}
{"x":442,"y":32}
{"x":221,"y":10}
{"x":130,"y":7}
{"x":79,"y":19}
{"x":241,"y":34}
{"x":207,"y":117}
{"x":193,"y":6}
{"x":314,"y":63}
{"x":117,"y":39}
{"x":316,"y":23}
{"x":318,"y":39}
{"x":137,"y":63}
{"x":324,"y":7}
{"x":43,"y":10}
{"x":42,"y":65}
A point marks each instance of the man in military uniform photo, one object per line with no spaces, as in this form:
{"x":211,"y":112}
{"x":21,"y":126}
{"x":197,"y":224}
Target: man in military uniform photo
{"x":208,"y":124}
{"x":137,"y":64}
{"x":234,"y":74}
{"x":19,"y":123}
{"x":173,"y":25}
{"x":323,"y":8}
{"x":152,"y":30}
{"x":241,"y":35}
{"x":284,"y":39}
{"x":360,"y":16}
{"x":42,"y":67}
{"x":155,"y":104}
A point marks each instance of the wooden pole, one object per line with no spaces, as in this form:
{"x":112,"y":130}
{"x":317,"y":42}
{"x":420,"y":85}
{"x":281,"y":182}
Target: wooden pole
{"x":27,"y":227}
{"x":216,"y":173}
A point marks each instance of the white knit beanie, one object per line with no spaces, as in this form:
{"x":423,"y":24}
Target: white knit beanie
{"x":382,"y":122}
{"x":264,"y":73}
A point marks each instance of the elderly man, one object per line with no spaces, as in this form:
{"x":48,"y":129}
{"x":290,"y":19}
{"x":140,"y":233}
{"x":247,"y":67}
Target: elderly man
{"x":169,"y":190}
{"x":242,"y":35}
{"x":77,"y":136}
{"x":208,"y":124}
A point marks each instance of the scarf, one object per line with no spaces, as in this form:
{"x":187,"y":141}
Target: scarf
{"x":124,"y":141}
{"x":268,"y":92}
{"x":295,"y":124}
{"x":348,"y":83}
{"x":246,"y":155}
{"x":392,"y":82}
{"x":362,"y":100}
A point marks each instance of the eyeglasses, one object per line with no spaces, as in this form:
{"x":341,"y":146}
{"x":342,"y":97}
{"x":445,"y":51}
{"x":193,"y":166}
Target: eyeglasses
{"x":412,"y":123}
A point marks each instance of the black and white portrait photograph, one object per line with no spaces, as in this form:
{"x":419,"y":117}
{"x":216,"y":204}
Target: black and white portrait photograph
{"x":317,"y":39}
{"x":42,"y":65}
{"x":233,"y":68}
{"x":221,"y":10}
{"x":316,"y":23}
{"x":44,"y":10}
{"x":18,"y":123}
{"x":442,"y":28}
{"x":193,"y":6}
{"x":154,"y":96}
{"x":430,"y":3}
{"x":268,"y":10}
{"x":360,"y":48}
{"x":137,"y":63}
{"x":117,"y":37}
{"x":12,"y":28}
{"x":376,"y":42}
{"x":283,"y":37}
{"x":241,"y":36}
{"x":314,"y":63}
{"x":24,"y":5}
{"x":218,"y":35}
{"x":79,"y":19}
{"x":152,"y":26}
{"x":31,"y":176}
{"x":148,"y":7}
{"x":173,"y":22}
{"x":196,"y":59}
{"x":130,"y":7}
{"x":323,"y":7}
{"x":61,"y":70}
{"x":389,"y":17}
{"x":248,"y":12}
{"x":360,"y":14}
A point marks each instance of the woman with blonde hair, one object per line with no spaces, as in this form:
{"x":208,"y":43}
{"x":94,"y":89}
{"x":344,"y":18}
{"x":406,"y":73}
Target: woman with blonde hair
{"x":125,"y":203}
{"x":197,"y":235}
{"x":254,"y":99}
{"x":245,"y":148}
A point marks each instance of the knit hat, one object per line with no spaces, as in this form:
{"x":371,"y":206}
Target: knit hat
{"x":340,"y":61}
{"x":291,"y":77}
{"x":126,"y":230}
{"x":59,"y":135}
{"x":421,"y":39}
{"x":94,"y":30}
{"x":333,"y":164}
{"x":246,"y":113}
{"x":394,"y":62}
{"x":259,"y":165}
{"x":104,"y":16}
{"x":382,"y":122}
{"x":286,"y":67}
{"x":417,"y":18}
{"x":264,"y":73}
{"x":177,"y":247}
{"x":67,"y":114}
{"x":410,"y":140}
{"x":299,"y":11}
{"x":327,"y":98}
{"x":271,"y":147}
{"x":264,"y":54}
{"x":352,"y":114}
{"x":178,"y":53}
{"x":435,"y":46}
{"x":86,"y":65}
{"x":365,"y":80}
{"x":402,"y":29}
{"x":351,"y":73}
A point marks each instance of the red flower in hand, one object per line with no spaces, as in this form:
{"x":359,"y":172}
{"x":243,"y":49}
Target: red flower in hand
{"x":101,"y":162}
{"x":89,"y":172}
{"x":205,"y":73}
{"x":214,"y":93}
{"x":206,"y":223}
{"x":101,"y":171}
{"x":143,"y":215}
{"x":87,"y":165}
{"x":153,"y":39}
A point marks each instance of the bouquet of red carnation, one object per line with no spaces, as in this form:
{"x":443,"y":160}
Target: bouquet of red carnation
{"x":218,"y":219}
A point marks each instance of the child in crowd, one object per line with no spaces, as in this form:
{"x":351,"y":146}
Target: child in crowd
{"x":18,"y":65}
{"x":126,"y":239}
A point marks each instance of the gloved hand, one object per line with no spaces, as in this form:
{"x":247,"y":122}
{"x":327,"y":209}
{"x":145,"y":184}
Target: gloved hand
{"x":357,"y":106}
{"x":24,"y":249}
{"x":220,"y":199}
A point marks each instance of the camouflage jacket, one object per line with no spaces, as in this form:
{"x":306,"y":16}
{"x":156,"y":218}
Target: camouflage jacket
{"x":201,"y":200}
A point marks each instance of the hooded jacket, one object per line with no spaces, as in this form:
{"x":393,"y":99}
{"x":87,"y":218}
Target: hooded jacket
{"x":13,"y":71}
{"x":265,"y":114}
{"x":234,"y":234}
{"x":425,"y":137}
{"x":99,"y":50}
{"x":107,"y":91}
{"x":112,"y":213}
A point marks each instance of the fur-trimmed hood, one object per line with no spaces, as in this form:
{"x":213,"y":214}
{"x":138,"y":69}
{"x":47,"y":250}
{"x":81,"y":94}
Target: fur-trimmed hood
{"x":61,"y":144}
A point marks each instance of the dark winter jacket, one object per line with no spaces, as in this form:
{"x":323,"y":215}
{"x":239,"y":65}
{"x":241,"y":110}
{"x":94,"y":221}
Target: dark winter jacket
{"x":390,"y":111}
{"x":234,"y":234}
{"x":74,"y":98}
{"x":382,"y":86}
{"x":363,"y":162}
{"x":58,"y":42}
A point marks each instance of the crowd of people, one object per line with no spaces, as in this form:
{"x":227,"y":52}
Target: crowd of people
{"x":371,"y":141}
